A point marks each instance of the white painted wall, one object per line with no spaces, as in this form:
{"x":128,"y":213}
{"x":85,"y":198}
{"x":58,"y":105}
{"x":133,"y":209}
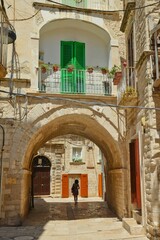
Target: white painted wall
{"x":97,"y":46}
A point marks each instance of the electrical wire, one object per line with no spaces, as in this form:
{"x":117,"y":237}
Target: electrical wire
{"x":118,"y":10}
{"x":104,"y":11}
{"x":25,"y":19}
{"x":102,"y":104}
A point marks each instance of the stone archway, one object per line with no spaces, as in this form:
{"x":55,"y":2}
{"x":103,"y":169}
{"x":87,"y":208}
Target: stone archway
{"x":88,"y":123}
{"x":47,"y":120}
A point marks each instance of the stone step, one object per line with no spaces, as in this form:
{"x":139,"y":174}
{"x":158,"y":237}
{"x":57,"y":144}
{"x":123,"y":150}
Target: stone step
{"x":134,"y":238}
{"x":132,"y":227}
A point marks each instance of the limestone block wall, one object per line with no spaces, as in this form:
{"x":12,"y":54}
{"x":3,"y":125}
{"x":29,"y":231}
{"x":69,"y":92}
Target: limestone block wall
{"x":149,"y":130}
{"x":90,"y":163}
{"x":115,"y":182}
{"x":43,"y":122}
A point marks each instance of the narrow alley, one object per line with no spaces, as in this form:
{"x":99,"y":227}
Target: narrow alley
{"x":61,"y":219}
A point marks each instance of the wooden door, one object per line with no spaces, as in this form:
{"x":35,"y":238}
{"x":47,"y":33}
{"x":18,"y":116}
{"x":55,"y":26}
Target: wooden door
{"x":135,"y":173}
{"x":65,"y":186}
{"x":132,"y":172}
{"x":100,"y":185}
{"x":84,"y":185}
{"x":137,"y":163}
{"x":41,"y":181}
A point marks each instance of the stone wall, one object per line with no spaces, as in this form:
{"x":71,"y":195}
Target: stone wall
{"x":24,"y":138}
{"x":146,"y":121}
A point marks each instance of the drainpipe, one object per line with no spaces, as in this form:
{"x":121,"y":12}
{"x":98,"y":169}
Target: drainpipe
{"x":1,"y":164}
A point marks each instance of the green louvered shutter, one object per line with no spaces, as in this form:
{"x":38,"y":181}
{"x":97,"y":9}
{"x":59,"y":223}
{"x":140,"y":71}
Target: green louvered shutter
{"x":67,"y":55}
{"x":67,"y":58}
{"x":79,"y":61}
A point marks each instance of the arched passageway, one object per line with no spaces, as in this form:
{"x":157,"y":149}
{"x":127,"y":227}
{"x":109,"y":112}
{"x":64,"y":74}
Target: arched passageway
{"x":89,"y":126}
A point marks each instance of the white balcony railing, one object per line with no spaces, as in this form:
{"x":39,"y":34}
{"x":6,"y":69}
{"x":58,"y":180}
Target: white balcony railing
{"x":76,"y":82}
{"x":127,"y":82}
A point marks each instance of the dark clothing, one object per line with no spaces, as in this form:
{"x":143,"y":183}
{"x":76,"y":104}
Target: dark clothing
{"x":75,"y":188}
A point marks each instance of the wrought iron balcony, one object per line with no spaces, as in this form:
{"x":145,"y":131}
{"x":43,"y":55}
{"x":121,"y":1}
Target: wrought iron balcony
{"x":127,"y":86}
{"x":75,"y":82}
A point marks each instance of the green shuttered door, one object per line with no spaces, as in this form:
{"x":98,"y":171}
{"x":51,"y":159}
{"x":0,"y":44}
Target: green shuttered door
{"x":72,"y":53}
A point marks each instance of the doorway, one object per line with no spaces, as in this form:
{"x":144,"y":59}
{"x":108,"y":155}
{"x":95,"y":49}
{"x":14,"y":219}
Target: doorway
{"x":72,"y":67}
{"x":41,"y":176}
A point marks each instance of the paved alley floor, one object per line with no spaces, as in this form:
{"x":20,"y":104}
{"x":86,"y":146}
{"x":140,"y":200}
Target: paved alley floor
{"x":61,"y":219}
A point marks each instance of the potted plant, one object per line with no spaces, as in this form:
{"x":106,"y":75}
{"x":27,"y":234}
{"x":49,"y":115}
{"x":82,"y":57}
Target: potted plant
{"x":104,"y":70}
{"x":90,"y":69}
{"x":44,"y":68}
{"x":70,"y":68}
{"x":116,"y":74}
{"x":55,"y":67}
{"x":114,"y":70}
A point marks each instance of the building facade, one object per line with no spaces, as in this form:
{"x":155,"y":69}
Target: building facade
{"x":59,"y":89}
{"x":140,"y":87}
{"x":64,"y":159}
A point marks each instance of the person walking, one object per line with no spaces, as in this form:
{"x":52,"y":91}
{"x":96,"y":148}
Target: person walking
{"x":75,"y":190}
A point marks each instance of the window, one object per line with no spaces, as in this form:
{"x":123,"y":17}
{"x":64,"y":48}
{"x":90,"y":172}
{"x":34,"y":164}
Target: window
{"x":130,"y":72}
{"x":77,"y":154}
{"x":100,"y":156}
{"x":155,"y":46}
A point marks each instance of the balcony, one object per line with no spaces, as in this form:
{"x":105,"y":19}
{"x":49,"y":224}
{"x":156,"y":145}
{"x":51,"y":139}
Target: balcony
{"x":75,"y":82}
{"x":126,"y":89}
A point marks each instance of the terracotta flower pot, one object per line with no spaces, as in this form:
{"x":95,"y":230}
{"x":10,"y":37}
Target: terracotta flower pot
{"x":117,"y":78}
{"x":90,"y":70}
{"x":43,"y":69}
{"x":70,"y":69}
{"x":104,"y":71}
{"x":55,"y":68}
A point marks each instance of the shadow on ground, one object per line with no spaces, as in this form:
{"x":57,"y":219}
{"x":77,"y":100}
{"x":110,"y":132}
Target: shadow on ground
{"x":44,"y":211}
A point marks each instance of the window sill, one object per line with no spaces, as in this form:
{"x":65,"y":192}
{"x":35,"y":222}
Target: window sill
{"x":77,"y":163}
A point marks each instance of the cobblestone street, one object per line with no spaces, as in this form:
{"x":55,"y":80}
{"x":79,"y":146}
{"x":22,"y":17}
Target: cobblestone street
{"x":61,"y":219}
